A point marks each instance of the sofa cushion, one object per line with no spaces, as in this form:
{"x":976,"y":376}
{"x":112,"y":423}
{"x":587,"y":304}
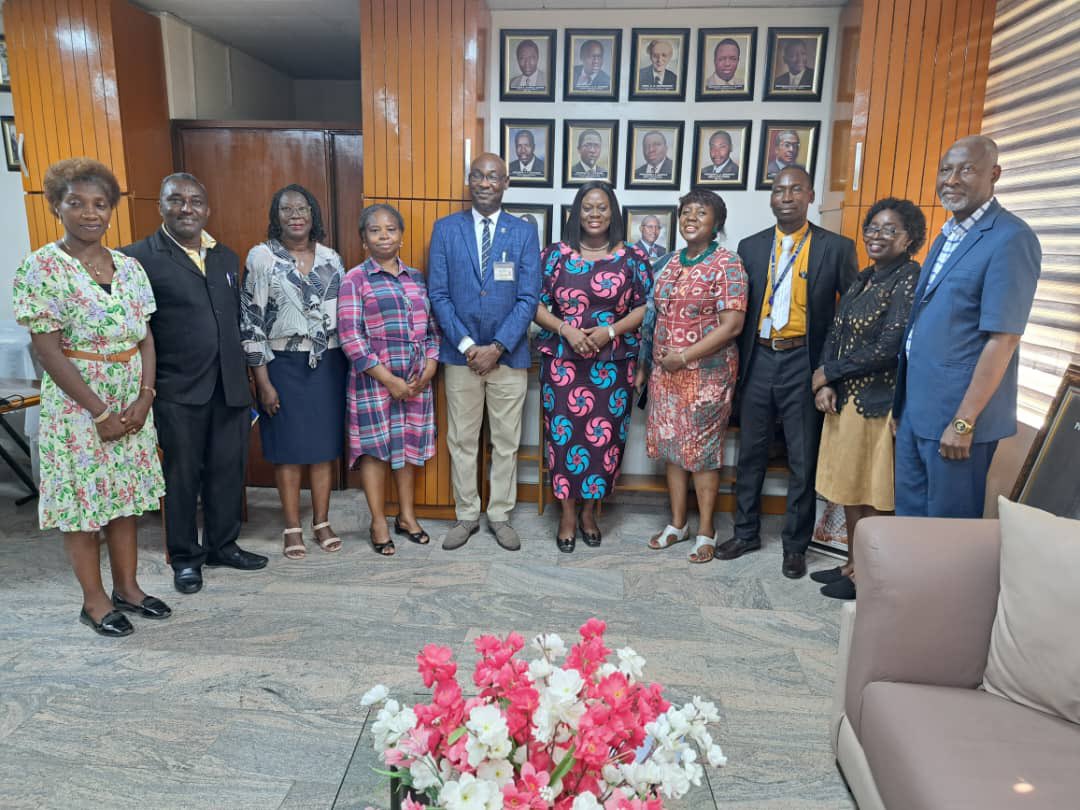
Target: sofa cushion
{"x":941,"y":748}
{"x":1034,"y":656}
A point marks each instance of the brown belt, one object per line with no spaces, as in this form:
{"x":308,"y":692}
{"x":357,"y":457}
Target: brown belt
{"x":782,"y":344}
{"x":113,"y":357}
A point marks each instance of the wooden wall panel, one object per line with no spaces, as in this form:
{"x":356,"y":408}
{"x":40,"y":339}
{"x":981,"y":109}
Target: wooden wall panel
{"x":347,"y":164}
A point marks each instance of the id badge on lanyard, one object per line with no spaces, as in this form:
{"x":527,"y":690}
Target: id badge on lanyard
{"x":766,"y":322}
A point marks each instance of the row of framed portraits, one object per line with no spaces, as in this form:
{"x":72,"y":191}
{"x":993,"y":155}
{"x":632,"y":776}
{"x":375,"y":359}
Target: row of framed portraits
{"x":794,"y":67}
{"x":654,"y":152}
{"x":650,"y":227}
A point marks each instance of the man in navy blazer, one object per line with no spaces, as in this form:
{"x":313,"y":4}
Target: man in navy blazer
{"x":484,"y":286}
{"x":957,"y":379}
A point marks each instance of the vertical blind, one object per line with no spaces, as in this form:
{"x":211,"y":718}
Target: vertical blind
{"x":1033,"y":112}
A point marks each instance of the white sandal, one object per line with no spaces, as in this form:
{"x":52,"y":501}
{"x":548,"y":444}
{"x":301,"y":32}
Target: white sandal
{"x":661,"y":541}
{"x":297,"y":551}
{"x":699,"y":544}
{"x":331,"y":543}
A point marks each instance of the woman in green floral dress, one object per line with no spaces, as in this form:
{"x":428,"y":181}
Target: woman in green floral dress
{"x":87,"y":309}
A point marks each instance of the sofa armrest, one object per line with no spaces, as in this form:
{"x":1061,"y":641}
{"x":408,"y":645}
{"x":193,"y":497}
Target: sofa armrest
{"x":843,"y":655}
{"x":927,"y":597}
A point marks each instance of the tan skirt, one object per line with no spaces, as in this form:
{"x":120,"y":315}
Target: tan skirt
{"x":855,"y":462}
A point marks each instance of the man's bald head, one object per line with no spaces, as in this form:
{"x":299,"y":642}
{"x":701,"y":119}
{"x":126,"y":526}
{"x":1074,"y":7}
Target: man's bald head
{"x":967,"y":174}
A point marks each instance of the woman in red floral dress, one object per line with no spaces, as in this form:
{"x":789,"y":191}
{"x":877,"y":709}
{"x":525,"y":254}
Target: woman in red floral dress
{"x":691,"y":362}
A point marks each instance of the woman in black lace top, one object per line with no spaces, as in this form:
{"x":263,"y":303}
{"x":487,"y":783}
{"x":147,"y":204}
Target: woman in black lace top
{"x":854,"y":385}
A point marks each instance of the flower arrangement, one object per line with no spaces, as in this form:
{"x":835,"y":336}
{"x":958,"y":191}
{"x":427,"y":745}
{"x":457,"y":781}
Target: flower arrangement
{"x":586,"y":734}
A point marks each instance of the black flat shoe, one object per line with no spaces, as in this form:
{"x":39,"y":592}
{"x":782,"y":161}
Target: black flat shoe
{"x":188,"y":580}
{"x":113,"y":624}
{"x":841,"y":589}
{"x":421,"y":537}
{"x":150,"y":608}
{"x":565,"y":544}
{"x":591,"y":539}
{"x":828,"y":575}
{"x":237,"y":558}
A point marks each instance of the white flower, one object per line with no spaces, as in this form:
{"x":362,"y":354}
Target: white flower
{"x":707,"y":710}
{"x":549,"y":645}
{"x":631,"y":664}
{"x":376,"y":694}
{"x":424,"y":774}
{"x":498,"y":771}
{"x":487,"y":724}
{"x":586,"y":801}
{"x":564,"y":685}
{"x":470,"y":793}
{"x":543,"y":723}
{"x":603,"y":671}
{"x":391,"y":724}
{"x":540,"y":669}
{"x":716,"y":756}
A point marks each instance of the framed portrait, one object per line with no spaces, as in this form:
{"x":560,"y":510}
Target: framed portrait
{"x":593,"y":58}
{"x":795,"y":64}
{"x":651,"y":228}
{"x":726,"y":58}
{"x":783,"y":144}
{"x":526,"y":65}
{"x":5,"y":75}
{"x":11,"y":144}
{"x":654,"y":154}
{"x":539,"y":216}
{"x":1055,"y":448}
{"x":721,"y":154}
{"x":658,"y":60}
{"x":564,"y":217}
{"x":590,"y":151}
{"x":525,"y":145}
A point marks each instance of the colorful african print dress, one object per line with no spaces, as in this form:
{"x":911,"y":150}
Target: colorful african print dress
{"x":587,"y":399}
{"x":383,"y":318}
{"x":86,"y":483}
{"x":689,"y":409}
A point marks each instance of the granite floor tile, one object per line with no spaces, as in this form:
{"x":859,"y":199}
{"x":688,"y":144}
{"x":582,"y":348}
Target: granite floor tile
{"x":305,"y":795}
{"x":555,"y":581}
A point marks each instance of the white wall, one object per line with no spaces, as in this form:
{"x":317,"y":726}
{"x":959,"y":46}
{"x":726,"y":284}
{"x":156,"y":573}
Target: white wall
{"x":326,"y":100}
{"x":14,"y":230}
{"x":748,"y":211}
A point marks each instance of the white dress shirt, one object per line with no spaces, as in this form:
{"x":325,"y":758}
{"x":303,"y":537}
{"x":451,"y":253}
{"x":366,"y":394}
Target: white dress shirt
{"x":467,"y":342}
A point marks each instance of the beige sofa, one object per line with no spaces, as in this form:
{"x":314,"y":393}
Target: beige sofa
{"x":911,"y":729}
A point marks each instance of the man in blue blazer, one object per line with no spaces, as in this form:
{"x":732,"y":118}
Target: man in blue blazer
{"x":484,"y":285}
{"x":957,"y":379}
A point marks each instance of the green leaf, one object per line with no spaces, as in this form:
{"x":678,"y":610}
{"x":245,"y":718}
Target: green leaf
{"x":393,"y":774}
{"x":456,"y":735}
{"x":563,"y":767}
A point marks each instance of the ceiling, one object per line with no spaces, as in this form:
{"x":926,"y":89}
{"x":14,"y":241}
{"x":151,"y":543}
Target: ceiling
{"x":320,"y":39}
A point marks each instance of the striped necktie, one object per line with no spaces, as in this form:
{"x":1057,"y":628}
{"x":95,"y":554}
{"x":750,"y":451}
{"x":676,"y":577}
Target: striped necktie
{"x":485,"y":247}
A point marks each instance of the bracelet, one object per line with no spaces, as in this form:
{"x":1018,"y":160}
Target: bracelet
{"x":153,"y":391}
{"x":101,"y":417}
{"x":682,"y":354}
{"x":611,"y":333}
{"x":561,"y":327}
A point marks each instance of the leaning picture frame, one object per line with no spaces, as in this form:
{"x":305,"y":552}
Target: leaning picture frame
{"x":539,"y":216}
{"x":527,"y":64}
{"x":651,"y":228}
{"x":11,"y":143}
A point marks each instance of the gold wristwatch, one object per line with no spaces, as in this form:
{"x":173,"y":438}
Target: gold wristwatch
{"x":961,"y":427}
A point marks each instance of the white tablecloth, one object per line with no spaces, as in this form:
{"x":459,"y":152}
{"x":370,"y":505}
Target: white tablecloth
{"x":17,"y":362}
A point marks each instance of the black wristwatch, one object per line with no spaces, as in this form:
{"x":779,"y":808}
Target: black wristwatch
{"x":499,"y":346}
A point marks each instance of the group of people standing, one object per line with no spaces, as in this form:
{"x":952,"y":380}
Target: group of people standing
{"x":784,"y":329}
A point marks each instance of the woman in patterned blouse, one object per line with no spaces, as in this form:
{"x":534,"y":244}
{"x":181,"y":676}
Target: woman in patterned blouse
{"x":691,"y":362}
{"x":854,"y":385}
{"x":289,"y":329}
{"x":392,"y":342}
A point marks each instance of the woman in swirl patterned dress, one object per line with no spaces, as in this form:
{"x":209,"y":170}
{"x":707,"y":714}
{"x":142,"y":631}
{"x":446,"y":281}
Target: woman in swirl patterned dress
{"x":390,"y":337}
{"x":87,"y":309}
{"x":591,"y":304}
{"x":691,"y":363}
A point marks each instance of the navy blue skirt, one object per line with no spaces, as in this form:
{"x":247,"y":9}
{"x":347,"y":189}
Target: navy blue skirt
{"x":310,"y":426}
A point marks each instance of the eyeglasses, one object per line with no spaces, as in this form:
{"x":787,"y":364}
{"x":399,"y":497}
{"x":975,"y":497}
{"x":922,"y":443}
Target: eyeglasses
{"x":491,"y":177}
{"x":297,"y":211}
{"x":870,"y":231}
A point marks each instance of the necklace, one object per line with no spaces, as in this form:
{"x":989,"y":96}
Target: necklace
{"x":689,"y":261}
{"x":600,"y":251}
{"x":89,"y":265}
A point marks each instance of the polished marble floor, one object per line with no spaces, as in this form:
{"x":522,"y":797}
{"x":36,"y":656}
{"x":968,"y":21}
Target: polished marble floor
{"x":249,"y":696}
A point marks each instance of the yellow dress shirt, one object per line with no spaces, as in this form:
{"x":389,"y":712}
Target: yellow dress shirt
{"x":796,"y":325}
{"x":198,"y":257}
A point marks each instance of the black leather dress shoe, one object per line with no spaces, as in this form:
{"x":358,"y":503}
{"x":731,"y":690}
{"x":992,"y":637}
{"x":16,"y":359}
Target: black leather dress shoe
{"x":794,"y":566}
{"x":150,"y":608}
{"x":828,"y":575}
{"x":735,"y":547}
{"x":591,"y":539}
{"x":188,"y":580}
{"x":236,"y":557}
{"x":113,"y":624}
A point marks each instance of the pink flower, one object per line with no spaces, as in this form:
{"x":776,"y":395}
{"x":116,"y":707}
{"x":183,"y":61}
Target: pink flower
{"x":436,"y":663}
{"x":409,"y":803}
{"x":593,"y":627}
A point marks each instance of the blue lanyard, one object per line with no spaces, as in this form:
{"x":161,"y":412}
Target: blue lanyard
{"x":791,"y":263}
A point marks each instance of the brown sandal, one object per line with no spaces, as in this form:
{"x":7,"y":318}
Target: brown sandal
{"x":382,"y":549}
{"x":297,"y":551}
{"x":331,"y":543}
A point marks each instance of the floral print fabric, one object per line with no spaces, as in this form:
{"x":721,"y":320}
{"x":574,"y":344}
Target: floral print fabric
{"x":86,"y":483}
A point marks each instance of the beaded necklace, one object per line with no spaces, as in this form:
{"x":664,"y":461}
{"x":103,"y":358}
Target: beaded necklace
{"x":687,"y":261}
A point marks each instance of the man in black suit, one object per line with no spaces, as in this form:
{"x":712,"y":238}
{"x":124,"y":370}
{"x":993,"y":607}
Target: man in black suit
{"x":202,"y":408}
{"x":796,"y":270}
{"x":657,"y":76}
{"x":527,"y":163}
{"x":798,"y":76}
{"x":657,"y":165}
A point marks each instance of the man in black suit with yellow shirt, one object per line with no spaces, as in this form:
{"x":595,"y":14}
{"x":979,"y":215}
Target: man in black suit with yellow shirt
{"x":795,"y":270}
{"x":202,"y":404}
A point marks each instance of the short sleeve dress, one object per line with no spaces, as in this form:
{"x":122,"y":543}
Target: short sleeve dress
{"x":586,"y":400}
{"x":689,"y":409}
{"x":86,"y":483}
